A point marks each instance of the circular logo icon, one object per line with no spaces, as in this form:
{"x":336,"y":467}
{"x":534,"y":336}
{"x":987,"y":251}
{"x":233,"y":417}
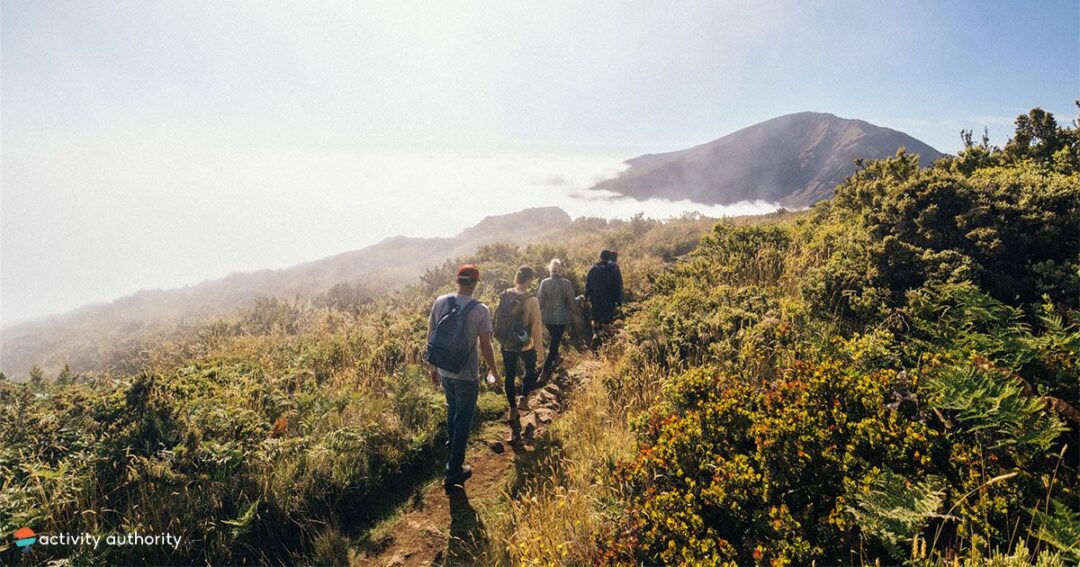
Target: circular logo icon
{"x":24,"y":538}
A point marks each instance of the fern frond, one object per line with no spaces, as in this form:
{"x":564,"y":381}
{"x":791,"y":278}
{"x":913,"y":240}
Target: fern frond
{"x":1060,"y":530}
{"x":895,"y":510}
{"x":992,"y":407}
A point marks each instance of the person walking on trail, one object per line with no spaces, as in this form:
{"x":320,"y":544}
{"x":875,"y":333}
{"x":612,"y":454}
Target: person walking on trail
{"x":603,"y":290}
{"x":618,"y":272}
{"x":557,"y":303}
{"x":519,"y":332}
{"x":458,"y":325}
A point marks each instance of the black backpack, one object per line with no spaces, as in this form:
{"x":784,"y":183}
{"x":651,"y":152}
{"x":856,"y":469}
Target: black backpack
{"x":448,"y":347}
{"x":510,"y":328}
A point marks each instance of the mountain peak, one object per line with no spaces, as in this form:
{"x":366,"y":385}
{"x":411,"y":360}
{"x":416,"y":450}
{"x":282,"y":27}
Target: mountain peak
{"x":795,"y":160}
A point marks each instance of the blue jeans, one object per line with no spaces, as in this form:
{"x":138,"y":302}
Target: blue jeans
{"x":460,"y":406}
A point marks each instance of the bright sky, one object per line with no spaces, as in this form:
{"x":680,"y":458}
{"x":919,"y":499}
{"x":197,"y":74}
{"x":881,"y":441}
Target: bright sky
{"x":154,"y":144}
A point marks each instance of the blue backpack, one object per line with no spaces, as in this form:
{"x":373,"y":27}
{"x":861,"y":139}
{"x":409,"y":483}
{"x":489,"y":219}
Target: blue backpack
{"x":448,"y":348}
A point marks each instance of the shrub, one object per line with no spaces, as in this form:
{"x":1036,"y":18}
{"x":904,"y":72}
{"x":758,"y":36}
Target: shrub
{"x":893,"y":373}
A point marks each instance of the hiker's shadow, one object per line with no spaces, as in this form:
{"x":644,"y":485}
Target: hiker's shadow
{"x":467,"y":537}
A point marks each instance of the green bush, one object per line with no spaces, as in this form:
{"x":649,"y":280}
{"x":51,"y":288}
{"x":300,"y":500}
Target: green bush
{"x":895,"y":372}
{"x":271,"y":436}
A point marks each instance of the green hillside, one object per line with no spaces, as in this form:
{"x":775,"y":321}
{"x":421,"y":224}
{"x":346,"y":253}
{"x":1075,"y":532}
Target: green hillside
{"x":255,"y":434}
{"x":891,"y":376}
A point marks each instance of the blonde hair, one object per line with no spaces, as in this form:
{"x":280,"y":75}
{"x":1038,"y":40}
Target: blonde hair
{"x":555,"y":267}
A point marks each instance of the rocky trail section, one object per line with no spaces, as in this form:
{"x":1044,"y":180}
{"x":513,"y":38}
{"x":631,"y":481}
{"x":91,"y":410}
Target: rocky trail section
{"x":441,"y":526}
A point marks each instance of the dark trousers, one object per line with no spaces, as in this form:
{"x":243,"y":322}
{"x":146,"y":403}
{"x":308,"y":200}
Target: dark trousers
{"x":510,"y":367}
{"x":602,"y":318}
{"x":460,"y":406}
{"x":602,"y":333}
{"x":556,"y":332}
{"x":603,"y":314}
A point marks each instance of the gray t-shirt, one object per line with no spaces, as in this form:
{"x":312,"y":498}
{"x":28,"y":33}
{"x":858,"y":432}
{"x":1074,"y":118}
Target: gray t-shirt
{"x":477,"y":322}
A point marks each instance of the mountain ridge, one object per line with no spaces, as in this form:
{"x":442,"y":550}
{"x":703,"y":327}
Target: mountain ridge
{"x":794,"y":160}
{"x":391,"y":262}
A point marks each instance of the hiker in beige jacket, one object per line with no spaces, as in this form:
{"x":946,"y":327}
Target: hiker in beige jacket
{"x":519,"y":330}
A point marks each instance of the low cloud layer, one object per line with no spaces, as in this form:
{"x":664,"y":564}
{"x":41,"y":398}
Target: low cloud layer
{"x":108,"y":221}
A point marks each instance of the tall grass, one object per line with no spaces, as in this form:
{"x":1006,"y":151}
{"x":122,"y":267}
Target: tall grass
{"x":567,"y":505}
{"x":270,"y":436}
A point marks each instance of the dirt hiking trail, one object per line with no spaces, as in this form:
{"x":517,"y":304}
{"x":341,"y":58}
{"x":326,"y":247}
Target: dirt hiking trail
{"x":440,"y":526}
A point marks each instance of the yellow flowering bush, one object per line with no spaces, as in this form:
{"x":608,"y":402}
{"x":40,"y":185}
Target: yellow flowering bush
{"x":892,"y":376}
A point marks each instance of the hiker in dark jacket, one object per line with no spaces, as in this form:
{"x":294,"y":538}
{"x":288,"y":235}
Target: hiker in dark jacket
{"x":618,"y":272}
{"x":603,"y":290}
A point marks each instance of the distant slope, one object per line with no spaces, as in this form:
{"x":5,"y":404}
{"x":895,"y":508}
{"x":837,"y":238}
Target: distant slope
{"x":392,"y":262}
{"x":794,"y":160}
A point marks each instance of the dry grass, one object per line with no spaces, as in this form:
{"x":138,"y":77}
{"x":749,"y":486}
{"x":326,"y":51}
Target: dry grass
{"x":565,"y":507}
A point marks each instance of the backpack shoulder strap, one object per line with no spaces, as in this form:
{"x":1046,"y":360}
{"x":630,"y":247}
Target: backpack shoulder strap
{"x":469,"y":306}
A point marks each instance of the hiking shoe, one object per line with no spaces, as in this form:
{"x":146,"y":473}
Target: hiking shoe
{"x":459,"y":478}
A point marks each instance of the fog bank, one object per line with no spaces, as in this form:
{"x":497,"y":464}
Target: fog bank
{"x":103,"y":222}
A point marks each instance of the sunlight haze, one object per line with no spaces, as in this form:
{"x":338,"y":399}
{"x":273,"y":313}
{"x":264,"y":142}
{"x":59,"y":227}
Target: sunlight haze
{"x":154,"y":145}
